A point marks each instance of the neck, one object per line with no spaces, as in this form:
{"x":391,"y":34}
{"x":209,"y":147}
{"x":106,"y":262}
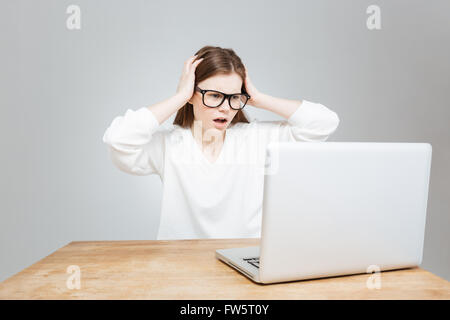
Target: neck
{"x":208,"y":137}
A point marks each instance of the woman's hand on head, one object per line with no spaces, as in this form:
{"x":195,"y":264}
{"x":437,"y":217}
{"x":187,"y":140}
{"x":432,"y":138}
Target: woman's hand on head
{"x":251,"y":90}
{"x":187,"y":79}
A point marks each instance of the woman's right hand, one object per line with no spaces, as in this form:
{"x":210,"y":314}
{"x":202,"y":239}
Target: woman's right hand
{"x":187,"y":79}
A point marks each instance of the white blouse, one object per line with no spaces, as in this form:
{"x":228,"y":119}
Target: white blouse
{"x":201,"y":199}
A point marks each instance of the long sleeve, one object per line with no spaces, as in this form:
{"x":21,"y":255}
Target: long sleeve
{"x":310,"y":122}
{"x":136,"y":146}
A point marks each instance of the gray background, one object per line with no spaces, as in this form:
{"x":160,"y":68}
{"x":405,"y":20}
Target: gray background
{"x":61,"y":89}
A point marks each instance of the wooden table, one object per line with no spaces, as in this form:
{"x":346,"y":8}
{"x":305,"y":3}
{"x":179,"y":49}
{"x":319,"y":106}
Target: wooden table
{"x":188,"y":269}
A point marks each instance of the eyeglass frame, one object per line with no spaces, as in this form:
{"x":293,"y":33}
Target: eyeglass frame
{"x":225,"y":96}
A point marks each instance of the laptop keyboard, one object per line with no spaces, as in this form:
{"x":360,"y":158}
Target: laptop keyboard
{"x":253,"y":261}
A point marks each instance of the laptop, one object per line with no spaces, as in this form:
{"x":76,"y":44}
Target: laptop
{"x":338,"y":208}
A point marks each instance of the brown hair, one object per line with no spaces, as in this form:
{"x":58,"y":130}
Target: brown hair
{"x":216,"y":60}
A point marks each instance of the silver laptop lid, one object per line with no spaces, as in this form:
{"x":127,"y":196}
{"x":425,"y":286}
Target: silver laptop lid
{"x":333,"y":208}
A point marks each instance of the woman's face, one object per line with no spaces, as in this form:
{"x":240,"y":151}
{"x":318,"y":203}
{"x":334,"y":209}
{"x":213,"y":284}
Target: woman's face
{"x":228,"y":84}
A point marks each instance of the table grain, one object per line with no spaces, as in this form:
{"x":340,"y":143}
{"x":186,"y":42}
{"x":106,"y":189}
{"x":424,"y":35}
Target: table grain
{"x":188,"y":269}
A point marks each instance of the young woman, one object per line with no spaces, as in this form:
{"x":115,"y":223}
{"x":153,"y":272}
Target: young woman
{"x":211,"y":161}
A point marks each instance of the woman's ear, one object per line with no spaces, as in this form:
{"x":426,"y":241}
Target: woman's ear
{"x":191,"y":100}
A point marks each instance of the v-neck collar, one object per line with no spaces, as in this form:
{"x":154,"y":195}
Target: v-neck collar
{"x":200,"y":151}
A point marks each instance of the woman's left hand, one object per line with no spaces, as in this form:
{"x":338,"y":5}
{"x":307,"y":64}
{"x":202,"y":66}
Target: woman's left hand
{"x":251,"y":90}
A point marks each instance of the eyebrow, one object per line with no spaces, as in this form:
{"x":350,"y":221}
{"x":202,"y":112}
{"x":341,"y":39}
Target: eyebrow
{"x":222,"y":91}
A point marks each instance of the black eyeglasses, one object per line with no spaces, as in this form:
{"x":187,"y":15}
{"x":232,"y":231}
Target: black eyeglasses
{"x":213,"y":98}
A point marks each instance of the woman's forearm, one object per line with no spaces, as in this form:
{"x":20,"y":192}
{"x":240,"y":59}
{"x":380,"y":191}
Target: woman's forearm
{"x":164,"y":109}
{"x":282,"y":107}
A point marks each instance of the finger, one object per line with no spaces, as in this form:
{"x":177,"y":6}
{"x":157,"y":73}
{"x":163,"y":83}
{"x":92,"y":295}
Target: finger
{"x":196,"y":63}
{"x":196,"y":60}
{"x":190,"y":63}
{"x":189,"y":60}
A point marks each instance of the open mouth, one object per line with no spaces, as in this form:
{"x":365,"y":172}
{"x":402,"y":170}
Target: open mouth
{"x":220,"y":120}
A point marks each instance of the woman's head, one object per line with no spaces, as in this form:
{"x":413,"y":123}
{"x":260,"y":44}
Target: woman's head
{"x":221,"y":70}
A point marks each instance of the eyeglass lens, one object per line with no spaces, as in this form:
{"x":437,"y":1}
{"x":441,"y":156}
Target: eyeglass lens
{"x":213,"y":99}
